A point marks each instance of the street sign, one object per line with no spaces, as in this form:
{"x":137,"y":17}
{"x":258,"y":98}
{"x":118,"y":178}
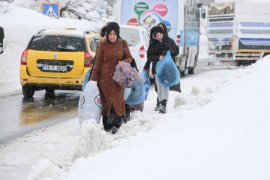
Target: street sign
{"x":50,"y":9}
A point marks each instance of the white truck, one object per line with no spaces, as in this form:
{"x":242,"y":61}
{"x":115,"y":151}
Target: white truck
{"x":181,"y":17}
{"x":238,"y":33}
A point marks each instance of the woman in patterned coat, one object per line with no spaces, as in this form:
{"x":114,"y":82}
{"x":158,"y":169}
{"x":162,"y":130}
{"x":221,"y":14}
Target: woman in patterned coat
{"x":110,"y":52}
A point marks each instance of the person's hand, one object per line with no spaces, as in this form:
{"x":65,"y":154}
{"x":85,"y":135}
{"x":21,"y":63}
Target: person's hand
{"x":161,"y":57}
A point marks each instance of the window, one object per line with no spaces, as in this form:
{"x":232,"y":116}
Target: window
{"x":57,"y":43}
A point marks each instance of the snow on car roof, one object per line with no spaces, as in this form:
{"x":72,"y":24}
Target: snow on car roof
{"x":67,"y":31}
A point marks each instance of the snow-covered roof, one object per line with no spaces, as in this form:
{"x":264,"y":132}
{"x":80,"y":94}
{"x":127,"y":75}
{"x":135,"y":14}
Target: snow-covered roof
{"x":68,"y":31}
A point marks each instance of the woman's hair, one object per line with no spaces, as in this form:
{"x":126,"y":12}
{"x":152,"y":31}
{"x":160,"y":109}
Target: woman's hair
{"x":155,"y":30}
{"x":164,"y":28}
{"x":113,"y":26}
{"x":103,"y":31}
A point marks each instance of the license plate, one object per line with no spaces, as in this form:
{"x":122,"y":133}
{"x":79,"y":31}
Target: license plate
{"x":54,"y":68}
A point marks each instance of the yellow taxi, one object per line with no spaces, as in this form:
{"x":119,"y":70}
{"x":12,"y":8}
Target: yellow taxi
{"x":57,"y":59}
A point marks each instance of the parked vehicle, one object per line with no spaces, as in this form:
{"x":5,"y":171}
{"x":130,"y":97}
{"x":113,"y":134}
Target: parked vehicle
{"x":238,"y":33}
{"x":138,"y":42}
{"x":182,"y":19}
{"x":57,"y":59}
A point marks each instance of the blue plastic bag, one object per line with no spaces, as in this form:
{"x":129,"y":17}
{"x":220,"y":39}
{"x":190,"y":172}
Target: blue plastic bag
{"x":137,"y":94}
{"x":167,"y":72}
{"x":146,"y":83}
{"x":86,"y":78}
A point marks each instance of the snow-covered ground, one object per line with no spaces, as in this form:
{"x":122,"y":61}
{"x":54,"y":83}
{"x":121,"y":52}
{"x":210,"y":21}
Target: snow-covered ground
{"x":218,"y":128}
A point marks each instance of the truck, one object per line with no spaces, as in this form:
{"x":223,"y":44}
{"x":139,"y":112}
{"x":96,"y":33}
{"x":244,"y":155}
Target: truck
{"x":181,"y":17}
{"x":238,"y":33}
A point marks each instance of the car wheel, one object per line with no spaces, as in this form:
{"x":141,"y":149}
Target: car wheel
{"x":28,"y":91}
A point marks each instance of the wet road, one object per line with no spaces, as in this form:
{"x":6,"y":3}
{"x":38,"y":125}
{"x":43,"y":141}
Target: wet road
{"x":17,"y":114}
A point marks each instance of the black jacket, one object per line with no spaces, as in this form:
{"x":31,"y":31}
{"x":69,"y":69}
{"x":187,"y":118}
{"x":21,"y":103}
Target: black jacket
{"x":157,"y":48}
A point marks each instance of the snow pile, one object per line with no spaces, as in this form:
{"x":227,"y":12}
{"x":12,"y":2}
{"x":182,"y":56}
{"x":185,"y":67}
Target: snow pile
{"x":88,"y":9}
{"x":225,"y":137}
{"x":92,"y":140}
{"x":217,"y":128}
{"x":45,"y":170}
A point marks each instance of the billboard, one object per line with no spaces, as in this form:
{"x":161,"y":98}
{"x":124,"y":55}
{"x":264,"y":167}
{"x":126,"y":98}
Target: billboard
{"x":148,"y":13}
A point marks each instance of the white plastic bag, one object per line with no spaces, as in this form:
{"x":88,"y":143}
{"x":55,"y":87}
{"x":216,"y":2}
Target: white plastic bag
{"x":90,"y":103}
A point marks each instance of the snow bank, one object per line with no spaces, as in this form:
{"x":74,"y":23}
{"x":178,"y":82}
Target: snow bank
{"x":92,"y":140}
{"x":217,"y":129}
{"x":45,"y":170}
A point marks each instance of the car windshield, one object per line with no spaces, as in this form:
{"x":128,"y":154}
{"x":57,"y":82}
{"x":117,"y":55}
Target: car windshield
{"x":57,"y":43}
{"x":132,"y":36}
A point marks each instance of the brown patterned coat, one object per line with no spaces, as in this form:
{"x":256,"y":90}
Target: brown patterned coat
{"x":108,"y":56}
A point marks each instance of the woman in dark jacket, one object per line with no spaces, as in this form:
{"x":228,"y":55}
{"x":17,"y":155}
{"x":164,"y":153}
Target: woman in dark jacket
{"x":109,"y":54}
{"x":158,"y":46}
{"x":176,"y":87}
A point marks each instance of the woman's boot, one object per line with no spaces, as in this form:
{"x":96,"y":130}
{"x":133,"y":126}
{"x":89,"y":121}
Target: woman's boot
{"x":162,"y":108}
{"x":107,"y":123}
{"x":116,"y":123}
